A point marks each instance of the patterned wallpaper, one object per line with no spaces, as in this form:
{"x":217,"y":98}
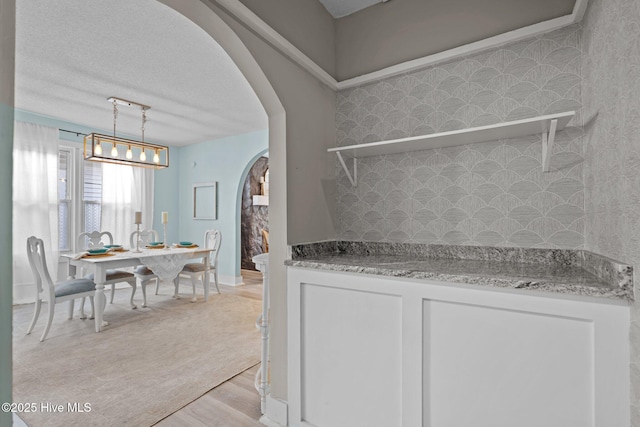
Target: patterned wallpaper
{"x":494,"y":193}
{"x":612,"y":143}
{"x":490,"y":193}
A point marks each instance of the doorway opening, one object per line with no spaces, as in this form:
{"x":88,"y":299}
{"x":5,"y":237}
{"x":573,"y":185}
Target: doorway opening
{"x":254,"y":218}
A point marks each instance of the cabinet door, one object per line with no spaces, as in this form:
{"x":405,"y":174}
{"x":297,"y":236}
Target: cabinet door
{"x":493,"y":367}
{"x":351,"y":374}
{"x":371,"y":351}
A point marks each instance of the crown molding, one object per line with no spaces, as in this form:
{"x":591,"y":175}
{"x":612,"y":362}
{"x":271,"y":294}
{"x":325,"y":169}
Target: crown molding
{"x":458,"y":52}
{"x":255,"y":23}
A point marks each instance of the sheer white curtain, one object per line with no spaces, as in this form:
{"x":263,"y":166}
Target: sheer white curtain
{"x":35,"y":199}
{"x":125,"y":190}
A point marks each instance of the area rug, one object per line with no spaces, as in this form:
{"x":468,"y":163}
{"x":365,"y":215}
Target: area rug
{"x":145,"y":365}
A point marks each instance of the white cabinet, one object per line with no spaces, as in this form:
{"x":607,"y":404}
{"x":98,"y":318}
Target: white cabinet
{"x":376,"y":351}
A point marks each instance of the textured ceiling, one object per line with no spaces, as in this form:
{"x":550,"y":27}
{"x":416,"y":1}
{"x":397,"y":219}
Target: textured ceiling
{"x":340,"y":8}
{"x":71,"y":55}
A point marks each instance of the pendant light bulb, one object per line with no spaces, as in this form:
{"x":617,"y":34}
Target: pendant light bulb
{"x":98,"y":149}
{"x":129,"y":154}
{"x":156,"y":157}
{"x":143,"y":156}
{"x":114,"y":151}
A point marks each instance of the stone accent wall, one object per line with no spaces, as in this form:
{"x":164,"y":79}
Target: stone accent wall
{"x":492,"y":193}
{"x":611,"y":64}
{"x":253,"y":218}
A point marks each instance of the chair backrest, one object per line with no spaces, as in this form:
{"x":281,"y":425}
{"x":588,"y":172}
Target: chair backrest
{"x":213,"y":240}
{"x":94,"y":239}
{"x":145,"y":236}
{"x":38,"y":263}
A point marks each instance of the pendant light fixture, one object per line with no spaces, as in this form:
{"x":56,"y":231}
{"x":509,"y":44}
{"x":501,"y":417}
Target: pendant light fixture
{"x":136,"y":153}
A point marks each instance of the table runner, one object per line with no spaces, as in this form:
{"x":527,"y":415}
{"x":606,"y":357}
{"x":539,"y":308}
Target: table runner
{"x":164,"y":263}
{"x":166,"y":267}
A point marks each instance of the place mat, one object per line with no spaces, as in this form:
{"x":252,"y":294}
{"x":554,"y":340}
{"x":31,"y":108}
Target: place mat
{"x":186,"y":246}
{"x":97,"y":255}
{"x":154,"y":246}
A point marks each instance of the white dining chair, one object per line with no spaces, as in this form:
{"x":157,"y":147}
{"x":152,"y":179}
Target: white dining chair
{"x":142,"y":273}
{"x":196,"y":270}
{"x":95,"y":240}
{"x":66,"y":290}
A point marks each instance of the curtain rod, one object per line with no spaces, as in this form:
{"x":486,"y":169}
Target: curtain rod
{"x":73,"y":131}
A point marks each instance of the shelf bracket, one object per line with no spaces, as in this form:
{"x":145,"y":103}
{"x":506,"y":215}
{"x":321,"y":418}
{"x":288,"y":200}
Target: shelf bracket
{"x":353,"y":178}
{"x":548,"y":139}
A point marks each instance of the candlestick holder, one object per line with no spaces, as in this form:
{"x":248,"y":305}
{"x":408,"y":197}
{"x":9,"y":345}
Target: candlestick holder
{"x":166,"y":243}
{"x":137,"y":239}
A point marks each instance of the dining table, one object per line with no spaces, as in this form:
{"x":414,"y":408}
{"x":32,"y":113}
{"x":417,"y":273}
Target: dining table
{"x":164,"y":262}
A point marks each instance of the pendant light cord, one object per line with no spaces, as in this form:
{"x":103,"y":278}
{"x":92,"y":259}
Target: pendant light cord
{"x":115,"y":117}
{"x":144,"y":120}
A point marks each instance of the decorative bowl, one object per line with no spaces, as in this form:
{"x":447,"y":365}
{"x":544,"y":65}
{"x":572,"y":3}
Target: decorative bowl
{"x":186,"y":243}
{"x":98,"y":251}
{"x":112,"y":246}
{"x":155,"y":243}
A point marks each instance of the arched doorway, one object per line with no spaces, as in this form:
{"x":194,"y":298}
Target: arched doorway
{"x":254,"y":215}
{"x":216,"y":27}
{"x":202,"y":15}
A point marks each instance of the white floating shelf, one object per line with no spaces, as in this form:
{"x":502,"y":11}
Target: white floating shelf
{"x":259,"y":200}
{"x":546,"y":125}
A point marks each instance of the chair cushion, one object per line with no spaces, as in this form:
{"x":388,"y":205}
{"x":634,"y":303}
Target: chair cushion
{"x":74,"y":286}
{"x":143,"y":270}
{"x":194,"y":267}
{"x":113,"y":274}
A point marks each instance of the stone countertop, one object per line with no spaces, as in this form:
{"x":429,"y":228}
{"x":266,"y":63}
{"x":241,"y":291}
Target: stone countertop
{"x":553,"y":271}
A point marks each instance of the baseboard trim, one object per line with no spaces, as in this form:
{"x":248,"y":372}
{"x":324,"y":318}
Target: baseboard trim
{"x":266,"y":421}
{"x":23,"y":293}
{"x":276,"y":415}
{"x":228,"y":280}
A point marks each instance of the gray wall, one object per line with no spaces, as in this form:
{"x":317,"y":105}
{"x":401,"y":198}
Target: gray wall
{"x":310,"y":131}
{"x":7,"y":63}
{"x":401,"y":30}
{"x":310,"y":185}
{"x":491,"y":193}
{"x":304,"y":23}
{"x":611,"y":40}
{"x":302,"y":178}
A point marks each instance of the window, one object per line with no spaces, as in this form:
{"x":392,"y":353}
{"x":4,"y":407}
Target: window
{"x":79,"y":203}
{"x":92,"y":195}
{"x":95,"y":196}
{"x":64,"y":199}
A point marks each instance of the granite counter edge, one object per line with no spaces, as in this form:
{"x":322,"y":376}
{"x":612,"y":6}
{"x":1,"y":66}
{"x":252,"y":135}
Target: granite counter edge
{"x":612,"y":272}
{"x":615,"y":293}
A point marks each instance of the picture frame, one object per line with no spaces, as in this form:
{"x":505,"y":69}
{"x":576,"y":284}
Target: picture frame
{"x":205,"y":201}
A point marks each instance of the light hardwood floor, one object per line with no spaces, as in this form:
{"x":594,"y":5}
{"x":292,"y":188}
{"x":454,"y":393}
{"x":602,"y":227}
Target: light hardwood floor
{"x":234,"y":403}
